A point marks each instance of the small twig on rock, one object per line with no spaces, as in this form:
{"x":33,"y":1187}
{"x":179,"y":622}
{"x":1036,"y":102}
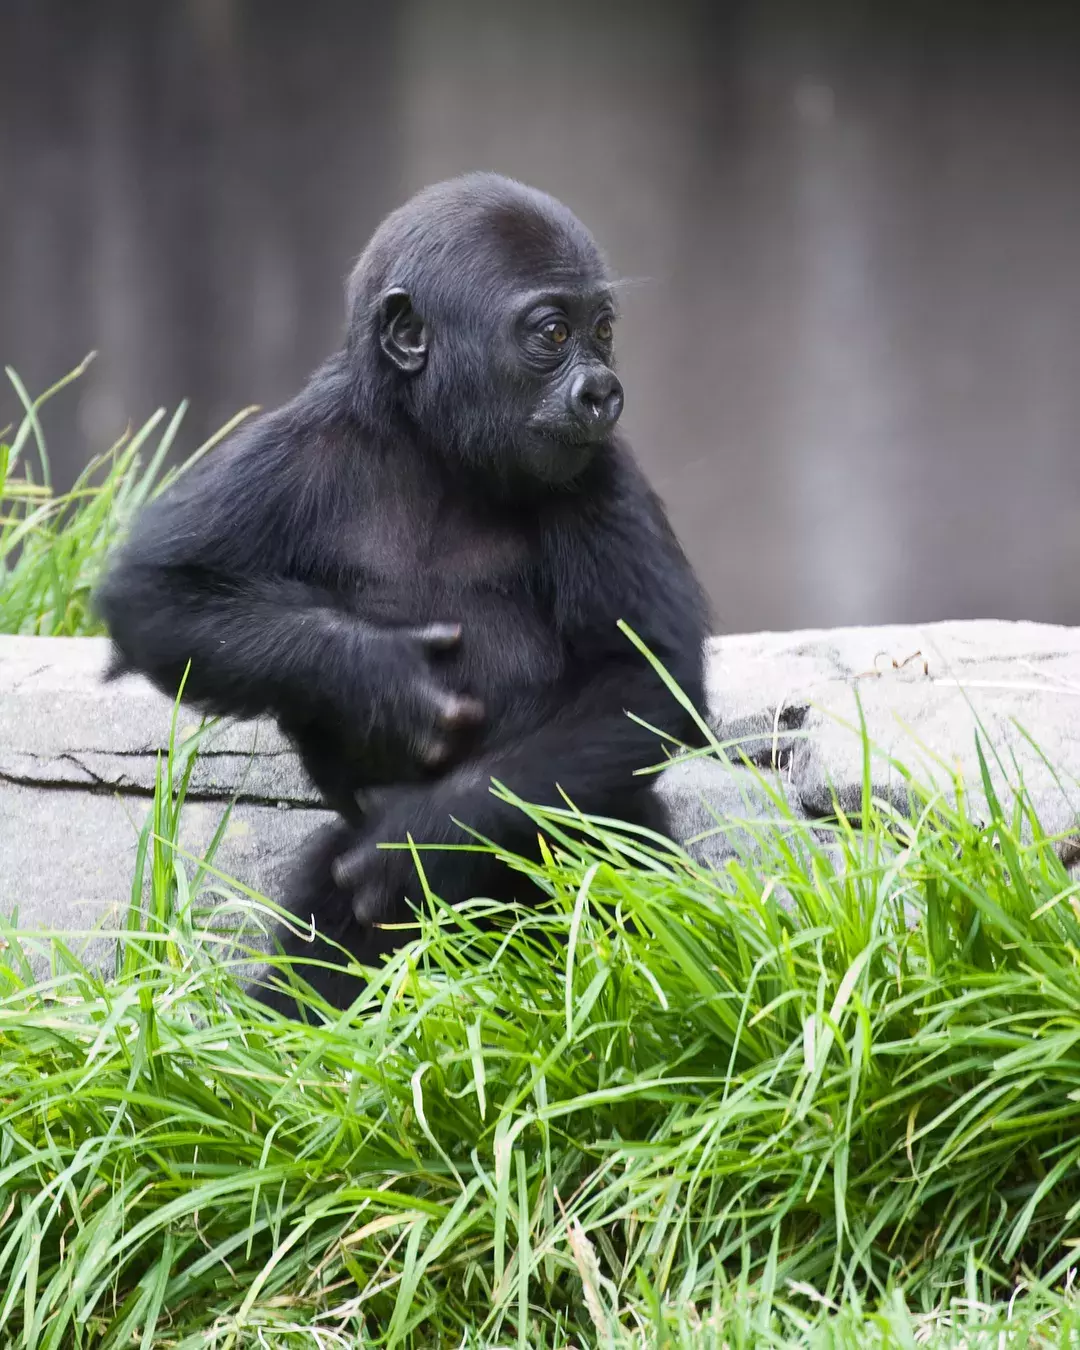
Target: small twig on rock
{"x":876,"y":673}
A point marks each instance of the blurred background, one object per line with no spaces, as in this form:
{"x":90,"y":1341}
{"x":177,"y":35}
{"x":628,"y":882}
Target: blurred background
{"x":852,"y":345}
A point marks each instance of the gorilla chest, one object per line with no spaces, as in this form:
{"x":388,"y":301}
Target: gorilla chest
{"x":461,"y":572}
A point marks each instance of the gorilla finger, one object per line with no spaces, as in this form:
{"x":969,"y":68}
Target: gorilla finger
{"x":366,"y":905}
{"x":439,"y":637}
{"x":451,"y":711}
{"x":433,"y":753}
{"x":350,"y":870}
{"x":462,"y":711}
{"x":369,"y":800}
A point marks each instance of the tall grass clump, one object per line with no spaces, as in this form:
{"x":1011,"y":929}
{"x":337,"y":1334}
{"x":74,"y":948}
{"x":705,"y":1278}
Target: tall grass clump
{"x":826,"y":1095}
{"x":52,"y":544}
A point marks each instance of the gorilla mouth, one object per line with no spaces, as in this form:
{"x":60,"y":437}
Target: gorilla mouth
{"x":571,"y":434}
{"x":559,"y":460}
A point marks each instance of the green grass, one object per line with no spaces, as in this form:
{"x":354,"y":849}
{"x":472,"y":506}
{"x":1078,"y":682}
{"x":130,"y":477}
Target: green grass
{"x":665,"y":1109}
{"x":52,"y":544}
{"x":826,"y":1096}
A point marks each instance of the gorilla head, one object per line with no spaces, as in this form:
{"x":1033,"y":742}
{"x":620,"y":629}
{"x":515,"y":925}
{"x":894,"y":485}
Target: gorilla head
{"x":481,"y":312}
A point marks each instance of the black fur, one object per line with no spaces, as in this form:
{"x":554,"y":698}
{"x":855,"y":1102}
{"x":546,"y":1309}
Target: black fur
{"x":418,"y":564}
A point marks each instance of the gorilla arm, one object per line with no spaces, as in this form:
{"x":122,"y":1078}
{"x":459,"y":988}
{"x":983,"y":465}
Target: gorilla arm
{"x":213,"y":575}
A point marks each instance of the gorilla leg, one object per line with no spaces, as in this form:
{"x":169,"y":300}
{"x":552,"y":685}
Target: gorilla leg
{"x":313,"y":898}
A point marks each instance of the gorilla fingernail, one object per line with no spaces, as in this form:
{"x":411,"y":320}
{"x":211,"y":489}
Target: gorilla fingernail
{"x":441,"y":635}
{"x":462,"y":712}
{"x":342,"y":874}
{"x":365,"y":908}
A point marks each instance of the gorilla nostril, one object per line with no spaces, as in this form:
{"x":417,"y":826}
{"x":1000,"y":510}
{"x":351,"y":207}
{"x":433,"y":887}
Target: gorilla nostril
{"x":599,"y":397}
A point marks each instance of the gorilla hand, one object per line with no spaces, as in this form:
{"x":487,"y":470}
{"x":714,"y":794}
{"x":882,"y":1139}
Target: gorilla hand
{"x":379,"y":879}
{"x":412,"y":708}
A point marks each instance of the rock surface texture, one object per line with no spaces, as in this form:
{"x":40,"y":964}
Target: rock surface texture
{"x":78,"y":756}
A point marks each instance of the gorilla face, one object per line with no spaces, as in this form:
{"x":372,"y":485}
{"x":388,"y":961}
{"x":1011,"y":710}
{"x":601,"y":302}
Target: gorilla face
{"x":563,"y":342}
{"x":499,"y":326}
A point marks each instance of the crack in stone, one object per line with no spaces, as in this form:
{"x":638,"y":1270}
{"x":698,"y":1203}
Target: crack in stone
{"x":30,"y":675}
{"x":73,"y":757}
{"x":100,"y":787}
{"x":1037,"y":655}
{"x":151,"y":752}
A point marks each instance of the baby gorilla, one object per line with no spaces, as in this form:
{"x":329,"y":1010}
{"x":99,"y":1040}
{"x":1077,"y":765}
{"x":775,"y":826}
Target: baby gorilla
{"x":418,"y":565}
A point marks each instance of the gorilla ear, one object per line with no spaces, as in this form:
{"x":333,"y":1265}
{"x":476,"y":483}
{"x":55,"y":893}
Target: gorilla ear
{"x":402,"y":332}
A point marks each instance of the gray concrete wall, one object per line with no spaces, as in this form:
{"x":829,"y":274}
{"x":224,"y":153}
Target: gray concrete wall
{"x":851,"y":333}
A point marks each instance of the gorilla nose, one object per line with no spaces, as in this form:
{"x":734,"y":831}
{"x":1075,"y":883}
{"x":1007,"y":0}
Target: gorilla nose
{"x":598,"y":399}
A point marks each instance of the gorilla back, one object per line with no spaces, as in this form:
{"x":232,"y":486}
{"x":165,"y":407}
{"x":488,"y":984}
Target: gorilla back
{"x":418,"y":565}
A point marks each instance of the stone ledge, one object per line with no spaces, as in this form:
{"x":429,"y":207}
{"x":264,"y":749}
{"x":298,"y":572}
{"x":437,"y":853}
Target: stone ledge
{"x":78,"y":757}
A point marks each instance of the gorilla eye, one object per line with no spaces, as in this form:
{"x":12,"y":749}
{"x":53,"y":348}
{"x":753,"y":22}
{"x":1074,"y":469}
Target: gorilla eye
{"x":557,"y":331}
{"x":603,"y":330}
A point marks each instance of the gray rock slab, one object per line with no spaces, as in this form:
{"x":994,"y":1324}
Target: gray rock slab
{"x":67,"y":860}
{"x":716,"y":810}
{"x":924,"y":693}
{"x":62,"y":725}
{"x":78,"y":760}
{"x":78,"y":756}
